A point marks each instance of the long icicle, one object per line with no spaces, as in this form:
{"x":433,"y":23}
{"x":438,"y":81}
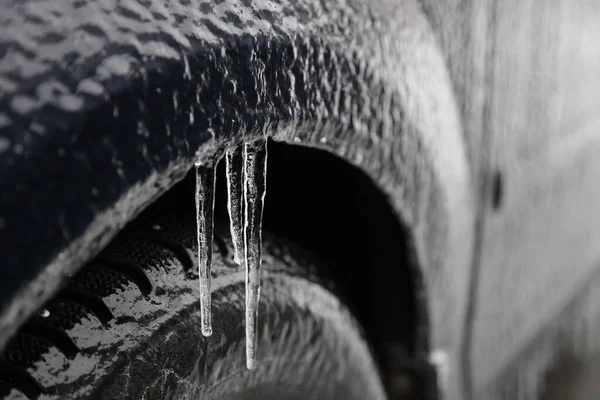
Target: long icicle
{"x":234,"y":165}
{"x":255,"y":182}
{"x":205,"y":204}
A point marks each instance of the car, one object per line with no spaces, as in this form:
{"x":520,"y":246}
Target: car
{"x":299,"y":199}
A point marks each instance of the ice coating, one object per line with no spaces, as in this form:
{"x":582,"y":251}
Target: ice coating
{"x":255,"y":166}
{"x":205,"y":202}
{"x":234,"y":165}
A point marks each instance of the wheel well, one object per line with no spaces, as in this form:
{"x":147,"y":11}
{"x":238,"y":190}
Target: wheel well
{"x":332,"y":208}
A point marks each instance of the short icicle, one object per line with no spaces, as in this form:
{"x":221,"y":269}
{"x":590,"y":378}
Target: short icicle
{"x":234,"y":165}
{"x":255,"y":188}
{"x":205,"y":204}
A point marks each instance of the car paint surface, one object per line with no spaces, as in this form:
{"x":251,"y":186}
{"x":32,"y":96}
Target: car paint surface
{"x":526,"y":79}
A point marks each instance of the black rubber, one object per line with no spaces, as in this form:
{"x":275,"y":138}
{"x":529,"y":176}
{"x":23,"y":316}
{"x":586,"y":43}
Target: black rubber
{"x":127,"y":327}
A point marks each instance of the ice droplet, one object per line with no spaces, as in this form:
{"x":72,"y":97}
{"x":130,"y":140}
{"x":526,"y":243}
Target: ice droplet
{"x":255,"y":188}
{"x":439,"y":359}
{"x":234,"y":165}
{"x":205,"y":204}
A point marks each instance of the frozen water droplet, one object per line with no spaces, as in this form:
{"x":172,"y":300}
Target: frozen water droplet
{"x":439,"y":358}
{"x":205,"y":203}
{"x":234,"y":165}
{"x":255,"y":189}
{"x":156,"y":227}
{"x":44,"y":313}
{"x":37,"y":128}
{"x":186,"y":71}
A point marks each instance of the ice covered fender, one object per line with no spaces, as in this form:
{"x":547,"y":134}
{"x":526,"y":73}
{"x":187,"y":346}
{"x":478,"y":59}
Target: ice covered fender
{"x":106,"y":104}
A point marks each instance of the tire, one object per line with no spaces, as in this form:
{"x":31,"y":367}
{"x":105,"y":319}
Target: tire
{"x":127,"y":327}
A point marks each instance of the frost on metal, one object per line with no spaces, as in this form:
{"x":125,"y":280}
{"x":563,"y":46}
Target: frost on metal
{"x":205,"y":203}
{"x":255,"y":170}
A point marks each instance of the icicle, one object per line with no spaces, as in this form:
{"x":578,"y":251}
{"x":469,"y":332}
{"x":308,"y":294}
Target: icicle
{"x":205,"y":204}
{"x":234,"y":164}
{"x":255,"y":188}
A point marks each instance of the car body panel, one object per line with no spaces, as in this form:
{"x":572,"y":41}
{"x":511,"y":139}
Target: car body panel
{"x":526,"y":77}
